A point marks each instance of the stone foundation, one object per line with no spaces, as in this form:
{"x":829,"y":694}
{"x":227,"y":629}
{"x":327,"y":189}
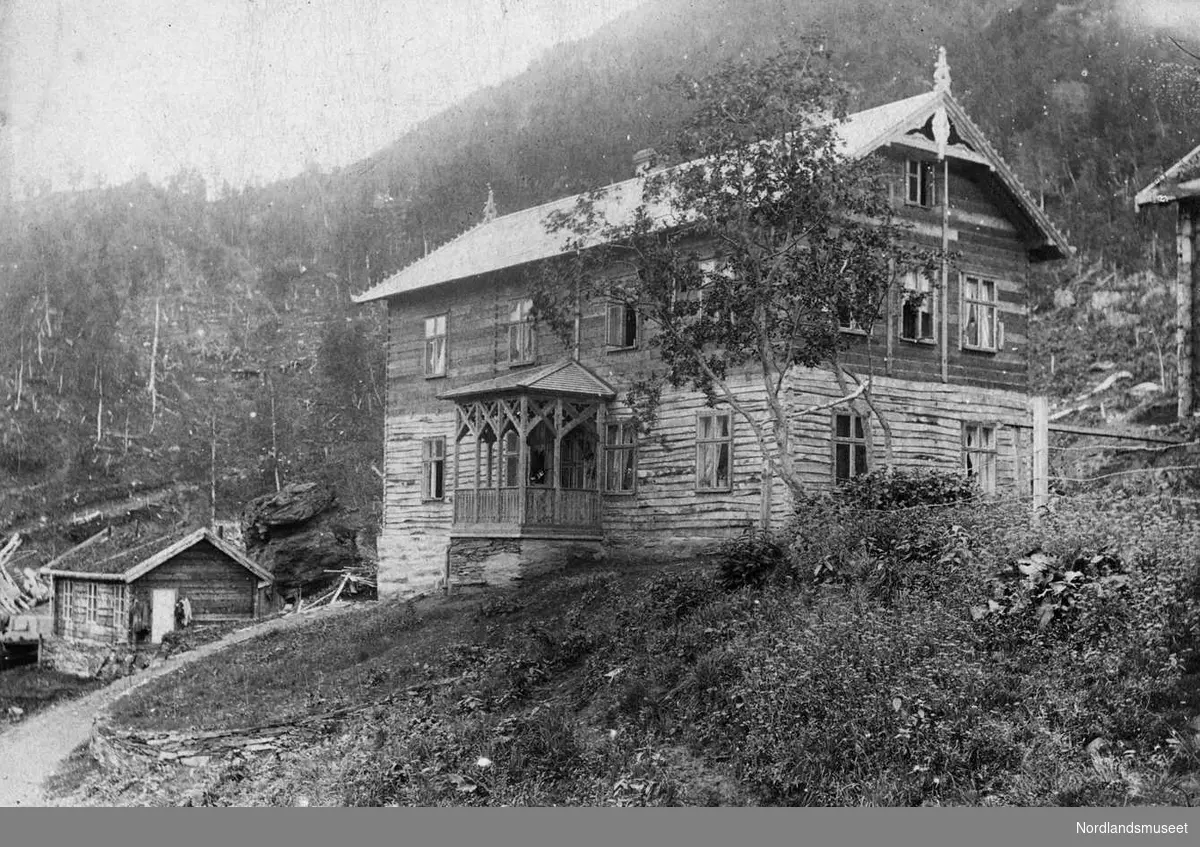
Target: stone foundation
{"x":411,"y":562}
{"x":103,"y":661}
{"x":501,"y":561}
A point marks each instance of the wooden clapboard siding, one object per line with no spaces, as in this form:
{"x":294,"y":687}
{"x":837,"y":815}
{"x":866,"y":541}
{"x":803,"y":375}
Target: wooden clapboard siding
{"x":214,"y":585}
{"x":109,"y":625}
{"x":666,"y":500}
{"x":926,"y":423}
{"x":416,"y":532}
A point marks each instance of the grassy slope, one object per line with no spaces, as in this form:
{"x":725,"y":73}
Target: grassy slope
{"x":651,"y":687}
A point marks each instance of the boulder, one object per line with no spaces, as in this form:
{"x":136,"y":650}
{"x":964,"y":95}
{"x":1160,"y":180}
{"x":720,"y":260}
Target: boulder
{"x":295,"y":504}
{"x":299,"y":535}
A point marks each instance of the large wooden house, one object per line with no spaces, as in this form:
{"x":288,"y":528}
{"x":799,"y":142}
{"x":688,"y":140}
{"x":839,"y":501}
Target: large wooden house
{"x":505,"y":449}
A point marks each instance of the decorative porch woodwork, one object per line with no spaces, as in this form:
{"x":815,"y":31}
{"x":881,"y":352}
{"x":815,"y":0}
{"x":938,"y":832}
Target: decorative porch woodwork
{"x":527,"y":454}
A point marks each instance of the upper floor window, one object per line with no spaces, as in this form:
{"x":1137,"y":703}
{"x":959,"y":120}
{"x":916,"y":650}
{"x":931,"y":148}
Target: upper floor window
{"x":917,"y":309}
{"x":979,"y":455}
{"x":980,"y":314}
{"x":433,"y":468}
{"x":919,"y":183}
{"x":621,"y":331}
{"x":714,"y":451}
{"x":620,"y":457}
{"x":521,"y":338}
{"x":849,"y":446}
{"x":435,"y":346}
{"x":847,"y":321}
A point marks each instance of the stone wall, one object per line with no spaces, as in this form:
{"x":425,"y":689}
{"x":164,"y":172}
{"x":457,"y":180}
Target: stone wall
{"x":78,"y":658}
{"x":125,"y":749}
{"x":500,"y":561}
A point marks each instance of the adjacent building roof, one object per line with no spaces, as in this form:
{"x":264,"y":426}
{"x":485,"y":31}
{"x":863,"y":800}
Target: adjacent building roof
{"x":568,"y":378}
{"x":114,"y":559}
{"x":522,"y":237}
{"x":1180,"y":180}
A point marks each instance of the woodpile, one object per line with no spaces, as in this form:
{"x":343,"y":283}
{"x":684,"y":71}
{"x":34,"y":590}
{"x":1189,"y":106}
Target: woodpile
{"x":20,"y":591}
{"x":350,"y":581}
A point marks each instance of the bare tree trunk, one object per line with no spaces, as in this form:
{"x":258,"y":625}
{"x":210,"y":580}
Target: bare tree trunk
{"x":212,"y":471}
{"x":152,"y":387}
{"x":100,"y":406}
{"x":274,"y":438}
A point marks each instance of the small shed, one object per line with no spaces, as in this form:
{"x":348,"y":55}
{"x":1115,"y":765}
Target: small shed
{"x":111,"y":592}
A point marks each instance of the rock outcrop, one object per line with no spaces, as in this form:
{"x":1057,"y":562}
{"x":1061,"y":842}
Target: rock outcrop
{"x":303,"y":537}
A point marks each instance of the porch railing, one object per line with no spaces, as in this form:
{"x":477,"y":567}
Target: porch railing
{"x":544,"y":507}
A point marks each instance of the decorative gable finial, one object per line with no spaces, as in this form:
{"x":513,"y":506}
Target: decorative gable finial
{"x":941,"y":86}
{"x":489,"y":208}
{"x":941,"y":73}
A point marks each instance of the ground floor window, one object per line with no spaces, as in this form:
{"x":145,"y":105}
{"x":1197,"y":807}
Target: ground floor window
{"x":433,"y":468}
{"x":979,"y":455}
{"x":714,"y":451}
{"x":620,"y":457}
{"x":850,"y":456}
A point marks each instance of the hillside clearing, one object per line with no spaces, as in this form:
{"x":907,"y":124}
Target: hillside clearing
{"x":879,"y":680}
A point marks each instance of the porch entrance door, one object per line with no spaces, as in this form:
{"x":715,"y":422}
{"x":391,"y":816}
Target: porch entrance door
{"x":162,"y":613}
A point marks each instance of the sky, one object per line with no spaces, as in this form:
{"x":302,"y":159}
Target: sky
{"x":248,"y":91}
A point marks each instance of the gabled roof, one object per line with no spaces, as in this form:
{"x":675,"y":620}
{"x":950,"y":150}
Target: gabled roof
{"x":109,"y":561}
{"x":521,"y":237}
{"x":567,"y":378}
{"x":1180,"y":180}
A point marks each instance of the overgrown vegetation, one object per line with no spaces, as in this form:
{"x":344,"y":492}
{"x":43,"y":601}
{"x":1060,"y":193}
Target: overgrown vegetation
{"x":937,"y":655}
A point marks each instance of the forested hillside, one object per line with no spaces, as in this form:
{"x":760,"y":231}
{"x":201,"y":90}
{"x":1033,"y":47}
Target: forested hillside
{"x":154,"y":342}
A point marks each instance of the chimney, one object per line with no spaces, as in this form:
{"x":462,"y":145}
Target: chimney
{"x":644,"y":161}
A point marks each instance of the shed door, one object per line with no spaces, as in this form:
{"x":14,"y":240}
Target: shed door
{"x":162,"y":613}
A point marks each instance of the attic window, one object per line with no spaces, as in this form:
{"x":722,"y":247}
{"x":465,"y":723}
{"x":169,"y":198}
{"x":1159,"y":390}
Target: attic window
{"x":919,"y":183}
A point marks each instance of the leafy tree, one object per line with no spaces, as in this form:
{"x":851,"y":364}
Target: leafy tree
{"x":805,"y":237}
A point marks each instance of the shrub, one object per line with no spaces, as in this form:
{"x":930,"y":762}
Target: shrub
{"x":882,"y":490}
{"x":750,"y":560}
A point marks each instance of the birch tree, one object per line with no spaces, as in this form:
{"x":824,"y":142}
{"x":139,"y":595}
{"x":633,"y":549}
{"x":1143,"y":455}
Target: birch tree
{"x":804,"y":240}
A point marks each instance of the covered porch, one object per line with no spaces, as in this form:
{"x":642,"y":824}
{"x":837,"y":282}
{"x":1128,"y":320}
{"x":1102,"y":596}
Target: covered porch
{"x":527,"y":454}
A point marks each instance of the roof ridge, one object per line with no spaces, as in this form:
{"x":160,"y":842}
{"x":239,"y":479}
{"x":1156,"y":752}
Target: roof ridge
{"x":862,"y":132}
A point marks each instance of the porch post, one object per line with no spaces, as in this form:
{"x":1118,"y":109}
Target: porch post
{"x":601,"y":421}
{"x":522,"y":458}
{"x":459,"y":423}
{"x":556,"y":500}
{"x":477,"y":447}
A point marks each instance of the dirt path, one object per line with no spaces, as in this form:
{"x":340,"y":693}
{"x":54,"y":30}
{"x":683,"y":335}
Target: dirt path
{"x":31,"y":751}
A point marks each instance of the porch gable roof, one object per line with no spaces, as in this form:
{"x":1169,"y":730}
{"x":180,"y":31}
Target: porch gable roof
{"x":565,"y":378}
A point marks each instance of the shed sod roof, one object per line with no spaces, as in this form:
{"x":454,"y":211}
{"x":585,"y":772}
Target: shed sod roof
{"x":114,"y":559}
{"x":521,"y":237}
